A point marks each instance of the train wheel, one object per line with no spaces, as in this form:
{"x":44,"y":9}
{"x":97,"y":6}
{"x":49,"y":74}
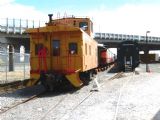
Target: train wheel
{"x":43,"y":81}
{"x":48,"y":81}
{"x":91,"y":75}
{"x":86,"y":77}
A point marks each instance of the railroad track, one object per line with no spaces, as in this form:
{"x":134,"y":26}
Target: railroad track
{"x":131,"y":77}
{"x":11,"y":87}
{"x":118,"y":75}
{"x":14,"y":105}
{"x":7,"y":108}
{"x":70,"y":109}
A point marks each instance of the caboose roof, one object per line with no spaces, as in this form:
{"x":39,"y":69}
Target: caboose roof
{"x":57,"y":28}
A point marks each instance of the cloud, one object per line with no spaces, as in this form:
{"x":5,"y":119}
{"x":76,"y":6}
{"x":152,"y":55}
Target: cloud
{"x":128,"y":19}
{"x":5,"y":2}
{"x":11,"y":9}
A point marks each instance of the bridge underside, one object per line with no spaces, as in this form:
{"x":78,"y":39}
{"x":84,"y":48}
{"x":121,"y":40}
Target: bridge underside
{"x":143,"y":45}
{"x":16,"y":41}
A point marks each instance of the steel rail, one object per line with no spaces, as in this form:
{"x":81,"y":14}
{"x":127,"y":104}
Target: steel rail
{"x":7,"y":108}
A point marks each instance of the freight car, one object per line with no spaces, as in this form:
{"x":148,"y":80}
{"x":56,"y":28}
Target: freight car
{"x":105,"y":56}
{"x":149,"y":58}
{"x":63,"y":50}
{"x":128,"y":56}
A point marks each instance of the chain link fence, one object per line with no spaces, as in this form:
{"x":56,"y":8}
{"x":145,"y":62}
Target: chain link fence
{"x":21,"y":67}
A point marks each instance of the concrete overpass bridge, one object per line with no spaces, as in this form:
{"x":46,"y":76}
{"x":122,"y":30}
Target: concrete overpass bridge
{"x":112,"y":40}
{"x":12,"y":37}
{"x":12,"y":34}
{"x":15,"y":41}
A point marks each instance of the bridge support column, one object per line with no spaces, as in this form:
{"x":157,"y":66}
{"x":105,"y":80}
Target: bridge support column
{"x":147,"y":60}
{"x":11,"y":61}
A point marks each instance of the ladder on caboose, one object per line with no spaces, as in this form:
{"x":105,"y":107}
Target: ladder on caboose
{"x":128,"y":63}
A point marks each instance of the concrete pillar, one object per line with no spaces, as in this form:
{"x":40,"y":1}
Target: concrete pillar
{"x":147,"y":60}
{"x":33,"y":23}
{"x":20,"y":25}
{"x":39,"y":23}
{"x":11,"y":60}
{"x":26,"y":23}
{"x":146,"y":52}
{"x":14,"y":29}
{"x":7,"y":26}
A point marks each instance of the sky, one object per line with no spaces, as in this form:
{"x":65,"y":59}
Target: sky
{"x":109,"y":16}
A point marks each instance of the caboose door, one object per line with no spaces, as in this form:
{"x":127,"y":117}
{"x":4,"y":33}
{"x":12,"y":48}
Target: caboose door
{"x":55,"y":51}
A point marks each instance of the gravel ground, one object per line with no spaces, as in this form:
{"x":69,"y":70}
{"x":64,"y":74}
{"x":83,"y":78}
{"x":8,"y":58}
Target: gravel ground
{"x":134,"y":97}
{"x":10,"y":99}
{"x":153,"y":68}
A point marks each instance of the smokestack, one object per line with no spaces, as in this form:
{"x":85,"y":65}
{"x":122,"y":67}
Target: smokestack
{"x":50,"y":17}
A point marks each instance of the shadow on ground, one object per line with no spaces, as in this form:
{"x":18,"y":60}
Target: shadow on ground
{"x":114,"y":69}
{"x":157,"y":116}
{"x":33,"y":90}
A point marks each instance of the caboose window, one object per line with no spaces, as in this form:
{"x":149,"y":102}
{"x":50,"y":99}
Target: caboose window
{"x":72,"y":48}
{"x":56,"y":47}
{"x":83,"y":25}
{"x":38,"y":47}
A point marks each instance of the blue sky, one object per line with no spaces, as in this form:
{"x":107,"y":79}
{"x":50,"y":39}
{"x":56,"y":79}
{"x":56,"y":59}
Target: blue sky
{"x":80,"y":5}
{"x":68,"y":4}
{"x":112,"y":16}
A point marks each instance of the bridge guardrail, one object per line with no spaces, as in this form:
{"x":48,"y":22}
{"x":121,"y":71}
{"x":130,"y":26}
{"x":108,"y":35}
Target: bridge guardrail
{"x":112,"y":36}
{"x":18,"y":25}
